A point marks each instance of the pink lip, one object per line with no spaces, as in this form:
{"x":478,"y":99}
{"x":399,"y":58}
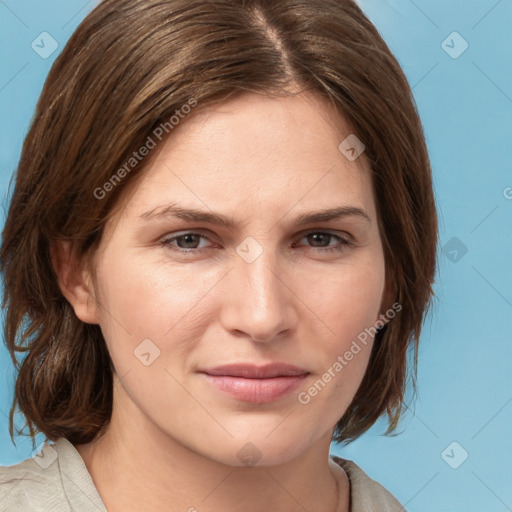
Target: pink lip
{"x":258,"y":384}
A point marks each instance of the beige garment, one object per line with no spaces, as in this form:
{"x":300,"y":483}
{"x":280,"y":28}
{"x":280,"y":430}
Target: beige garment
{"x":57,"y":480}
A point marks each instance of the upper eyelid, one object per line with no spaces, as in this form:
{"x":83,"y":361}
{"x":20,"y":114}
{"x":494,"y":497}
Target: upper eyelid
{"x":300,"y":235}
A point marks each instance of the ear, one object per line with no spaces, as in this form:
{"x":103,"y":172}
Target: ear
{"x":75,"y":283}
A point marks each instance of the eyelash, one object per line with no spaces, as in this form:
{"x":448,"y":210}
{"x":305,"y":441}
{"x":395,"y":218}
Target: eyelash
{"x":344,"y":243}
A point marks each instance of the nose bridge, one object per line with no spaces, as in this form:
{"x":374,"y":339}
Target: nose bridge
{"x":260,"y":305}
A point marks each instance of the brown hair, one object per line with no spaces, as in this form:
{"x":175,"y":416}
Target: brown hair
{"x":129,"y":67}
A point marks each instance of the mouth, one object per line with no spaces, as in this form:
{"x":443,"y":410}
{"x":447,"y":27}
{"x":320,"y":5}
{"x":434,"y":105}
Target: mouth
{"x":256,"y":384}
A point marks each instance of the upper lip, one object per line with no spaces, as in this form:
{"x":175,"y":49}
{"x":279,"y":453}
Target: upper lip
{"x":251,"y":371}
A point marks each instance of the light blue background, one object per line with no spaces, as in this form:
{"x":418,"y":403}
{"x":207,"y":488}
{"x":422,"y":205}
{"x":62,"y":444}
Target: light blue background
{"x":465,"y":370}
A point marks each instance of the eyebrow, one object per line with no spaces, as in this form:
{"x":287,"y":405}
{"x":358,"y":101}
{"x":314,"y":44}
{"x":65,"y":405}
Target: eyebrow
{"x":192,"y":215}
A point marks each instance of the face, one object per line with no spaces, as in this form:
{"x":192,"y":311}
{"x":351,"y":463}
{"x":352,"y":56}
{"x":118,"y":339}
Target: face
{"x":225,"y":325}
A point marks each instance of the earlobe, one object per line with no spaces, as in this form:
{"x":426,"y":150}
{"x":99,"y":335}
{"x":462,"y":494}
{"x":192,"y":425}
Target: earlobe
{"x":75,"y":283}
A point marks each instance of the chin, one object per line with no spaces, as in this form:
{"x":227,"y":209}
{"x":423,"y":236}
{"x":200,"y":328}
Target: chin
{"x":258,"y":450}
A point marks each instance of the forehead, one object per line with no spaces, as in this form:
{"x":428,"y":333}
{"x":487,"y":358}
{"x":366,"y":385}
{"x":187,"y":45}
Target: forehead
{"x":258,"y":155}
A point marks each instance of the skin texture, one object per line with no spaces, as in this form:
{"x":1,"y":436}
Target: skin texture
{"x":173,"y":440}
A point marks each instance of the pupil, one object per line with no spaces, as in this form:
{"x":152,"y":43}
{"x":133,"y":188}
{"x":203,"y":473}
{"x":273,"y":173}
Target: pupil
{"x":189,"y":239}
{"x":317,"y":237}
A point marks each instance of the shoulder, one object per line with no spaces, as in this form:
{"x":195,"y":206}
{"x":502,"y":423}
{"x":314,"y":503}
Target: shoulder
{"x":367,"y":495}
{"x":54,"y":479}
{"x":31,"y":485}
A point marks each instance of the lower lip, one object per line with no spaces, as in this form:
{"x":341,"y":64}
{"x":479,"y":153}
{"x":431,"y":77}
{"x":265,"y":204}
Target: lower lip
{"x":256,"y":390}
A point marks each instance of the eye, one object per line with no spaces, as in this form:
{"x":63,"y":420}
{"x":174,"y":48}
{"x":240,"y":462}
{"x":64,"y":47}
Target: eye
{"x":320,"y":240}
{"x":187,"y":242}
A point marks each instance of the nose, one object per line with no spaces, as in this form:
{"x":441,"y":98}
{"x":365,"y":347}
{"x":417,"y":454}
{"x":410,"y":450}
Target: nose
{"x":258,"y":299}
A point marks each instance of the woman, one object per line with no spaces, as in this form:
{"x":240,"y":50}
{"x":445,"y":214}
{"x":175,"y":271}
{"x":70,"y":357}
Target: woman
{"x":220,"y":245}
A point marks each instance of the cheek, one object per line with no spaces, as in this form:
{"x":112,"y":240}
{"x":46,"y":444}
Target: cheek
{"x":348,"y":299}
{"x":142,"y":301}
{"x":342,"y":357}
{"x":347,"y":304}
{"x":360,"y":299}
{"x":155,"y":310}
